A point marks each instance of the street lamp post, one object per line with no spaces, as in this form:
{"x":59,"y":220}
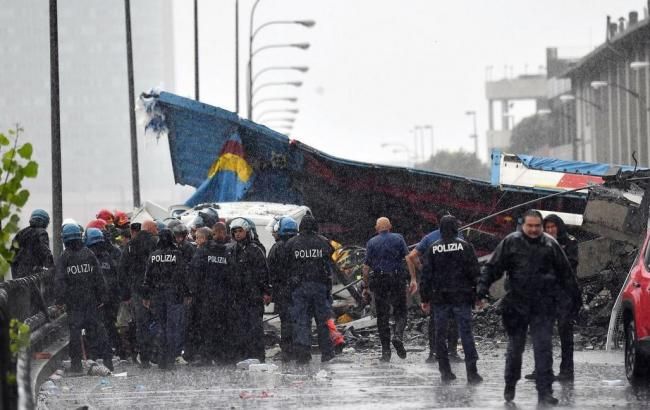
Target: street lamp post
{"x":276,"y":111}
{"x":276,"y":83}
{"x":571,"y":97}
{"x":263,"y":100}
{"x":55,"y":123}
{"x":302,"y":46}
{"x":472,"y":113}
{"x":302,"y":69}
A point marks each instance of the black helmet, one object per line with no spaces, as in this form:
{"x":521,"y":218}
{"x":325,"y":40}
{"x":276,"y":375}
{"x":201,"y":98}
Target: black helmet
{"x":165,"y":239}
{"x":210,"y":217}
{"x":308,"y":224}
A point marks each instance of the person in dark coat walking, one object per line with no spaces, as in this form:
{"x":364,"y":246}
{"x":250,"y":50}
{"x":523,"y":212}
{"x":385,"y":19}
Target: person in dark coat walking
{"x":536,"y":266}
{"x":449,"y":282}
{"x":81,"y":288}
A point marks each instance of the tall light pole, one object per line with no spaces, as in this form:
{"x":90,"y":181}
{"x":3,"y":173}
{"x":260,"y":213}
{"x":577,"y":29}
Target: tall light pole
{"x":196,"y":50}
{"x":55,"y":122}
{"x":237,"y":57}
{"x":276,"y":111}
{"x":472,"y":113}
{"x":135,"y":170}
{"x":252,"y":33}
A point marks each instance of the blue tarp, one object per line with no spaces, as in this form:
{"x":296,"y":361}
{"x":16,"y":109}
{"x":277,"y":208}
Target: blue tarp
{"x":574,"y":167}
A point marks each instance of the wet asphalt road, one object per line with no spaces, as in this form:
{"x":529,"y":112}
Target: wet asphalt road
{"x":355,"y":380}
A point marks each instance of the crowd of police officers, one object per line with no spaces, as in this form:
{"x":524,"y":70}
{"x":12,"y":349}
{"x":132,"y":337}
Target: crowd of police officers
{"x":158,"y":293}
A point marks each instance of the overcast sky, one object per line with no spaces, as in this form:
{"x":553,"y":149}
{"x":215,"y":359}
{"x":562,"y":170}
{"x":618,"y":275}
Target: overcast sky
{"x":380,"y":67}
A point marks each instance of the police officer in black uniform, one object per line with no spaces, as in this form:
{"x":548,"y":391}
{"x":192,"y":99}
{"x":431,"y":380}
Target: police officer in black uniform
{"x":209,"y":267}
{"x":81,"y":288}
{"x":287,"y":228}
{"x":95,"y":240}
{"x":449,"y":282}
{"x":310,"y":265}
{"x":165,"y":283}
{"x":251,"y":291}
{"x":31,"y":247}
{"x":535,"y":266}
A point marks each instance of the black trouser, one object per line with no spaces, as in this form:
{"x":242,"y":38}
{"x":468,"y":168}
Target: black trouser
{"x":213,"y":331}
{"x":565,"y":319}
{"x":389,"y":290}
{"x":452,"y":334}
{"x":190,"y":340}
{"x":286,"y":325}
{"x":89,"y":319}
{"x":463,"y":315}
{"x":110,"y":317}
{"x":248,"y":331}
{"x":541,"y":329}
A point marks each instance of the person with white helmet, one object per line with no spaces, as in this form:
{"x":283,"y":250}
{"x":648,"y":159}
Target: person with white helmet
{"x":251,"y":288}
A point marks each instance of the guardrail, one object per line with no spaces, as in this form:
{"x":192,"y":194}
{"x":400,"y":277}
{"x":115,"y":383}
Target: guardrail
{"x":29,"y":300}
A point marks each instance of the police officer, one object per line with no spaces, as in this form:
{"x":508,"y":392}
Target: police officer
{"x":94,"y":241}
{"x":81,"y":288}
{"x":310,"y":265}
{"x":132,"y":267}
{"x":567,"y":308}
{"x":385,"y":253}
{"x":190,"y":339}
{"x":285,"y":229}
{"x":31,"y":247}
{"x":209,"y":267}
{"x":535,"y":266}
{"x":165,"y":283}
{"x":413,"y":263}
{"x":449,"y":282}
{"x":251,"y":291}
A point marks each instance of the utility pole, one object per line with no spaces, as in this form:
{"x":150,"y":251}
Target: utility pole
{"x":55,"y":121}
{"x":237,"y":57}
{"x":135,"y":170}
{"x":196,"y":50}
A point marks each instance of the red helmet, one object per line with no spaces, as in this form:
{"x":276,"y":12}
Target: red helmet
{"x":121,"y":219}
{"x":97,"y":223}
{"x":106,"y":215}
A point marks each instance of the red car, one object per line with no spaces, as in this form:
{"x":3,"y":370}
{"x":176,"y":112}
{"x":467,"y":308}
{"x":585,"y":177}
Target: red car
{"x":636,"y":315}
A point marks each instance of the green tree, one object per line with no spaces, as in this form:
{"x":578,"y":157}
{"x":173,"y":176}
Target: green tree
{"x":533,"y":133}
{"x":16,"y":165}
{"x":457,"y":163}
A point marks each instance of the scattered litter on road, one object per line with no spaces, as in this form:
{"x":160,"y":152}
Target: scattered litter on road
{"x":349,"y":350}
{"x":123,"y":374}
{"x":616,"y":382}
{"x":245,"y":364}
{"x":264,"y":394}
{"x":98,"y":370}
{"x":139,"y":387}
{"x":262,"y":367}
{"x":322,"y":374}
{"x":50,"y":388}
{"x":55,"y":376}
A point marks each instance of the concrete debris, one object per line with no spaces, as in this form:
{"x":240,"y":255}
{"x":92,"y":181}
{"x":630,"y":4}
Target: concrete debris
{"x":262,"y":367}
{"x":98,"y":370}
{"x":245,"y":364}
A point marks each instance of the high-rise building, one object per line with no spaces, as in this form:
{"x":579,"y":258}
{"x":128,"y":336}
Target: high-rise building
{"x":95,"y":133}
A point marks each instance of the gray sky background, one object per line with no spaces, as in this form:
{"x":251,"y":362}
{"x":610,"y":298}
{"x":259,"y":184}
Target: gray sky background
{"x":380,"y":67}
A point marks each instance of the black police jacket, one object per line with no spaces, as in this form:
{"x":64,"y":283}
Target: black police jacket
{"x":109,"y":270}
{"x":166,"y":271}
{"x":209,"y":272}
{"x":535,"y":267}
{"x":309,"y":258}
{"x":450,"y":273}
{"x":279,"y":271}
{"x":133,"y":262}
{"x":31,"y":248}
{"x":78,"y":280}
{"x":187,"y":249}
{"x":250,"y":273}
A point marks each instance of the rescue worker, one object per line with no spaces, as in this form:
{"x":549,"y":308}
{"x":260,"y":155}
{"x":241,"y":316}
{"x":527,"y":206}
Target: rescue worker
{"x":384,"y":273}
{"x":209,"y":267}
{"x":94,"y":241}
{"x":31,"y":247}
{"x":111,"y":230}
{"x":122,"y":221}
{"x":251,"y":291}
{"x":567,"y":309}
{"x":449,"y":282}
{"x":285,"y":229}
{"x":310,"y":265}
{"x":535,"y":266}
{"x":132,"y":267}
{"x":81,"y":288}
{"x":414,"y":264}
{"x":165,"y":289}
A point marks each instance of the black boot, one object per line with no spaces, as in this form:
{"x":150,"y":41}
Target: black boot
{"x":399,"y":347}
{"x":447,"y":376}
{"x":472,"y":374}
{"x":432,"y":358}
{"x":531,"y":376}
{"x":547,"y":399}
{"x":509,"y":392}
